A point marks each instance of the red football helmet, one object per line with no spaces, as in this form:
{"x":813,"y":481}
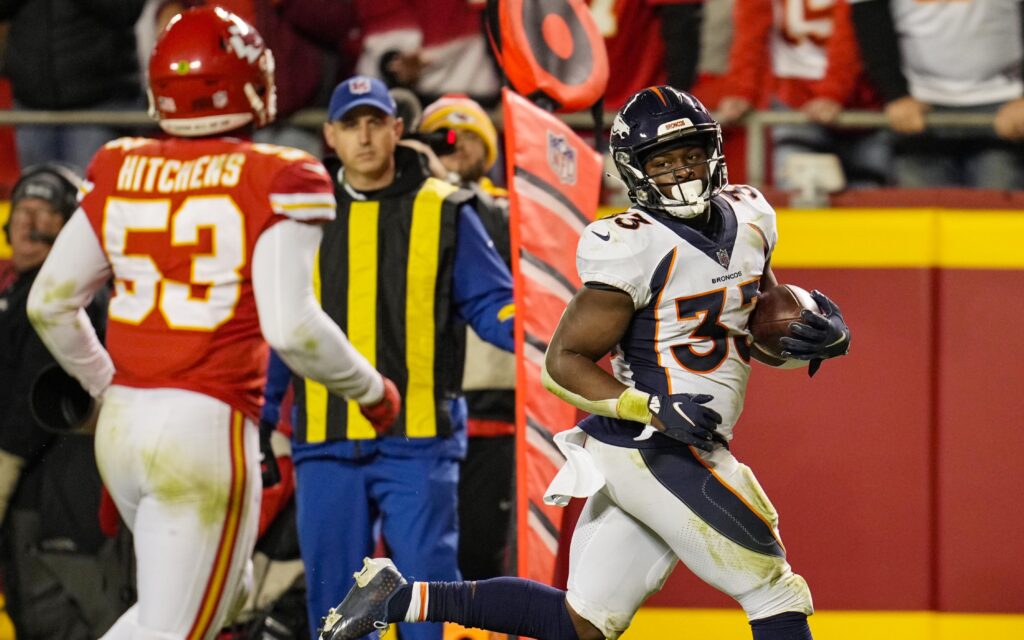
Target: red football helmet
{"x":210,"y":72}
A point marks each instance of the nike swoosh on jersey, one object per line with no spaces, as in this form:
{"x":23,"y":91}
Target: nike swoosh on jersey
{"x":606,"y":237}
{"x":676,"y":406}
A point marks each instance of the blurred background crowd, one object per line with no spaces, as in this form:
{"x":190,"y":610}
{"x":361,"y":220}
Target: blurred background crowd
{"x":899,"y":58}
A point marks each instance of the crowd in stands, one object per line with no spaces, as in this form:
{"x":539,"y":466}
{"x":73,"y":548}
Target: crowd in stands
{"x":900,"y":58}
{"x":736,"y":55}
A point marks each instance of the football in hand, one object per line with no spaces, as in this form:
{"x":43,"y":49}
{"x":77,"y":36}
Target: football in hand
{"x":776,"y":309}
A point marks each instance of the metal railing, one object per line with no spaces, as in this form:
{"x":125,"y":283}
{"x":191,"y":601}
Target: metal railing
{"x":756,"y":123}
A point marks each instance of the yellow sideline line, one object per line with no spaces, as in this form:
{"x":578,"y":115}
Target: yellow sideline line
{"x":731,"y":624}
{"x":727,"y":624}
{"x":876,"y":238}
{"x":5,"y":210}
{"x":856,"y":238}
{"x":898,"y":238}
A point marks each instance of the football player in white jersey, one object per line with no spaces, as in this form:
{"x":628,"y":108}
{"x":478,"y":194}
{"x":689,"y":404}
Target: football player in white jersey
{"x":669,"y":287}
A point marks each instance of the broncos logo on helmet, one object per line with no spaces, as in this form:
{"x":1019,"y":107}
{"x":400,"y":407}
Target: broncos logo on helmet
{"x":661,"y":118}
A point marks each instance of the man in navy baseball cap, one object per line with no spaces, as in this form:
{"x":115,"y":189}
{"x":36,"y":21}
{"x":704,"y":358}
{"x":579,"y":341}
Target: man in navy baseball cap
{"x":363,"y":129}
{"x":402,"y":240}
{"x":358,"y":91}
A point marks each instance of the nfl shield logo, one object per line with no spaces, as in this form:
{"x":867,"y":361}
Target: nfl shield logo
{"x":359,"y":86}
{"x":562,"y":158}
{"x":723,"y":258}
{"x":166,"y":103}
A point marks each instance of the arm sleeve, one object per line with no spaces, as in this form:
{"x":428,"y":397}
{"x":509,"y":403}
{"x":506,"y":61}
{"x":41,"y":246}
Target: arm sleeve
{"x":680,"y":31}
{"x":279,"y":376}
{"x":483,"y":285}
{"x":879,"y":46}
{"x":75,"y":269}
{"x":294,"y":324}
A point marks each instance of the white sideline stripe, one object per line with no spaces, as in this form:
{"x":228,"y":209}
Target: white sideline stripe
{"x":545,"y":536}
{"x":533,"y":354}
{"x":544,"y":199}
{"x":546,"y":281}
{"x":544,"y":446}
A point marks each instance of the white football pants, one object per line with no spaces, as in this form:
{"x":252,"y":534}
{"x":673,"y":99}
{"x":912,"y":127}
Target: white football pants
{"x":183,"y":469}
{"x":636,"y":527}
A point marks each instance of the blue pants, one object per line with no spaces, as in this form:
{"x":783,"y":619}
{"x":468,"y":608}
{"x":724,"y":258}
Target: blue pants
{"x":967,"y":157}
{"x":340,"y":502}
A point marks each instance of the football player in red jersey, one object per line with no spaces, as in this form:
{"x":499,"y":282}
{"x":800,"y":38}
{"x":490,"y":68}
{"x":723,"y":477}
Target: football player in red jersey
{"x":210,"y":240}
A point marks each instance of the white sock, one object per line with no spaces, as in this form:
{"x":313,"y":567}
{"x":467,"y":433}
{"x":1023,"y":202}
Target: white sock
{"x":418,"y":603}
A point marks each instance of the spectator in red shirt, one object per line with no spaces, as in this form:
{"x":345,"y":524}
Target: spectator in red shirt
{"x":810,"y":61}
{"x":431,"y":46}
{"x":649,"y":42}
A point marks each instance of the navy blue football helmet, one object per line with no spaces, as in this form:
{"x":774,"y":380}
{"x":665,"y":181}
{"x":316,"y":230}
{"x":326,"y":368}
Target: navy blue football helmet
{"x":660,"y":118}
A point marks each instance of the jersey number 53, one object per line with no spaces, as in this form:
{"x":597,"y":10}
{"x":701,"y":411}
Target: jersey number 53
{"x":141,"y":287}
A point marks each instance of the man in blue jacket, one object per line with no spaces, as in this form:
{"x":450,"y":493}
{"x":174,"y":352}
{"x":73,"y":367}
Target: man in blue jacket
{"x":403,"y":268}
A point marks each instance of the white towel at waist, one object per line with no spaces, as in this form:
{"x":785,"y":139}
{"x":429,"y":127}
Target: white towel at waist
{"x":579,"y":477}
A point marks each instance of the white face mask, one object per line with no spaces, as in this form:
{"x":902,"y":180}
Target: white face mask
{"x":688,"y":200}
{"x":691,"y":192}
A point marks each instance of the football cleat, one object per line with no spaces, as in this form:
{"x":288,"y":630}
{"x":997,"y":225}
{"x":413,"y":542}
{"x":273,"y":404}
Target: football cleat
{"x":365,"y":607}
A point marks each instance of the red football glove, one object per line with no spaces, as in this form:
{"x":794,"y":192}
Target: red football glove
{"x":382,"y":414}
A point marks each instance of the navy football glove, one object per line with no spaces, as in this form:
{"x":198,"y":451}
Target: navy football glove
{"x":268,"y":461}
{"x":686,"y":419}
{"x":819,"y":336}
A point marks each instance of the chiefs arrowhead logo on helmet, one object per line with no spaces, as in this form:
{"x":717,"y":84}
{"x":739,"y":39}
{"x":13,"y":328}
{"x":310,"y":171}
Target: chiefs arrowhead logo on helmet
{"x":243,"y":49}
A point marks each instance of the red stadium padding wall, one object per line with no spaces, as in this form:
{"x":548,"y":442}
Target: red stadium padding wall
{"x":555,"y":180}
{"x":846,"y":457}
{"x":979,"y":457}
